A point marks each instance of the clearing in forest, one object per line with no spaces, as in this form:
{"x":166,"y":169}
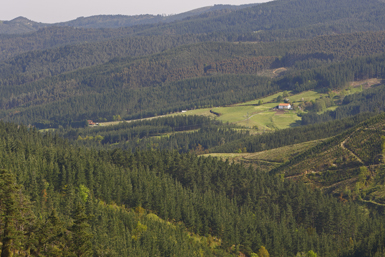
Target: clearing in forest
{"x":269,"y":159}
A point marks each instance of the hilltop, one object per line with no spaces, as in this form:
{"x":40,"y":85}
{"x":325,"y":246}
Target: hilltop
{"x":21,"y":25}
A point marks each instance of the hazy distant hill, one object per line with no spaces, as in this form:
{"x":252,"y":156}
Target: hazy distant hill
{"x":116,"y":21}
{"x":272,"y":21}
{"x":21,"y":25}
{"x":287,"y":19}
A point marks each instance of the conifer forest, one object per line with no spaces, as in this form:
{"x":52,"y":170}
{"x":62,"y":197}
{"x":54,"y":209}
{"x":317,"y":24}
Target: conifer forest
{"x":246,"y":131}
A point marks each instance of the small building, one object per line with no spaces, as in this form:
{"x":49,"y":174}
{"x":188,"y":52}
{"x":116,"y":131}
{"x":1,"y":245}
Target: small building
{"x":285,"y":106}
{"x":90,"y":123}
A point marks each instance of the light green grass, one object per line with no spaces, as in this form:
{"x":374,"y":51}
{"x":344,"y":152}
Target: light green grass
{"x":331,"y":108}
{"x":305,"y":96}
{"x":250,"y":115}
{"x":285,"y":120}
{"x":353,"y":90}
{"x":178,"y":132}
{"x":301,"y":97}
{"x":269,"y":159}
{"x":47,"y":130}
{"x":264,"y":99}
{"x":261,"y":116}
{"x":202,"y":112}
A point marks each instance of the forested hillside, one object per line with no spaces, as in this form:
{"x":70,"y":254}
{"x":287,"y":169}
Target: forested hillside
{"x":98,"y":159}
{"x":350,"y":164}
{"x":156,"y":84}
{"x":180,"y":133}
{"x":272,"y":21}
{"x":20,"y":25}
{"x":115,"y":21}
{"x":289,"y":19}
{"x":296,"y":53}
{"x":128,"y":197}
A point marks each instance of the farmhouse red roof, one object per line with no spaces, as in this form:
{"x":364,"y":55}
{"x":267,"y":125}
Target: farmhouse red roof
{"x":284,"y":104}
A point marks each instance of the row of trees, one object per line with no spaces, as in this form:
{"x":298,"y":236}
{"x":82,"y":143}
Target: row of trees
{"x":200,"y":133}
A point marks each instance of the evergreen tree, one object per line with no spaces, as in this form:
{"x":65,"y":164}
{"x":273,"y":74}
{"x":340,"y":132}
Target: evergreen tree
{"x":15,"y":215}
{"x":49,"y":237}
{"x":80,"y":244}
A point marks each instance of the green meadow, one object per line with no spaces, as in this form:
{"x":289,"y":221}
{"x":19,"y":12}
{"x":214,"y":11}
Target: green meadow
{"x":269,"y":159}
{"x":259,"y":115}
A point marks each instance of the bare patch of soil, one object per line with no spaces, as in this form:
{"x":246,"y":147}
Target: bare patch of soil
{"x":366,"y":83}
{"x":273,"y":73}
{"x":279,"y":70}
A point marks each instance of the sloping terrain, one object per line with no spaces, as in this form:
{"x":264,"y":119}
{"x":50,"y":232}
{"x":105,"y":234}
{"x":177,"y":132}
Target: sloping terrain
{"x":31,"y":94}
{"x":269,"y":159}
{"x":301,"y":191}
{"x":159,"y":203}
{"x":272,"y":21}
{"x":20,"y":25}
{"x":350,"y":164}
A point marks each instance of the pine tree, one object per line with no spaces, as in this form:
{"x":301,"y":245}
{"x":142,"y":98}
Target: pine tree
{"x":49,"y":237}
{"x":80,"y":243}
{"x":15,"y":215}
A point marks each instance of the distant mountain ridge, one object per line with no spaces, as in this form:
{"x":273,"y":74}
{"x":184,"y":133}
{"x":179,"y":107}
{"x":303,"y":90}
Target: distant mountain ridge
{"x":32,"y":65}
{"x":115,"y":21}
{"x":286,"y":19}
{"x":22,"y":25}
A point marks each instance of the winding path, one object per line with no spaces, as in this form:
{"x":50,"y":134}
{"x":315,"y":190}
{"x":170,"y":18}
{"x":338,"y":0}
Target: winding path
{"x":343,"y":147}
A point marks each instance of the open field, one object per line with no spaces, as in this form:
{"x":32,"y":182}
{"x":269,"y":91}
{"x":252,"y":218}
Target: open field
{"x":303,"y":96}
{"x":267,"y":160}
{"x":261,"y":118}
{"x":110,"y":123}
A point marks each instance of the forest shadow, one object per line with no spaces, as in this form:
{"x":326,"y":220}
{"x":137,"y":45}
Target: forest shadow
{"x":297,"y":123}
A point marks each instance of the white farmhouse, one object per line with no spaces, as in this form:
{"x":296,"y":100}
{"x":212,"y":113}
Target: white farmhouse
{"x":284,"y":106}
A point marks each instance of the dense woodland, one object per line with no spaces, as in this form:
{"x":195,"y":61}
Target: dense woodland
{"x":127,"y":196}
{"x":371,"y":100}
{"x":201,"y":133}
{"x":141,"y":90}
{"x":141,"y":188}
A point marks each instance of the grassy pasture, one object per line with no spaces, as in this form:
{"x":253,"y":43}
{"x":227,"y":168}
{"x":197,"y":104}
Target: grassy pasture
{"x":269,"y":159}
{"x":251,"y":115}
